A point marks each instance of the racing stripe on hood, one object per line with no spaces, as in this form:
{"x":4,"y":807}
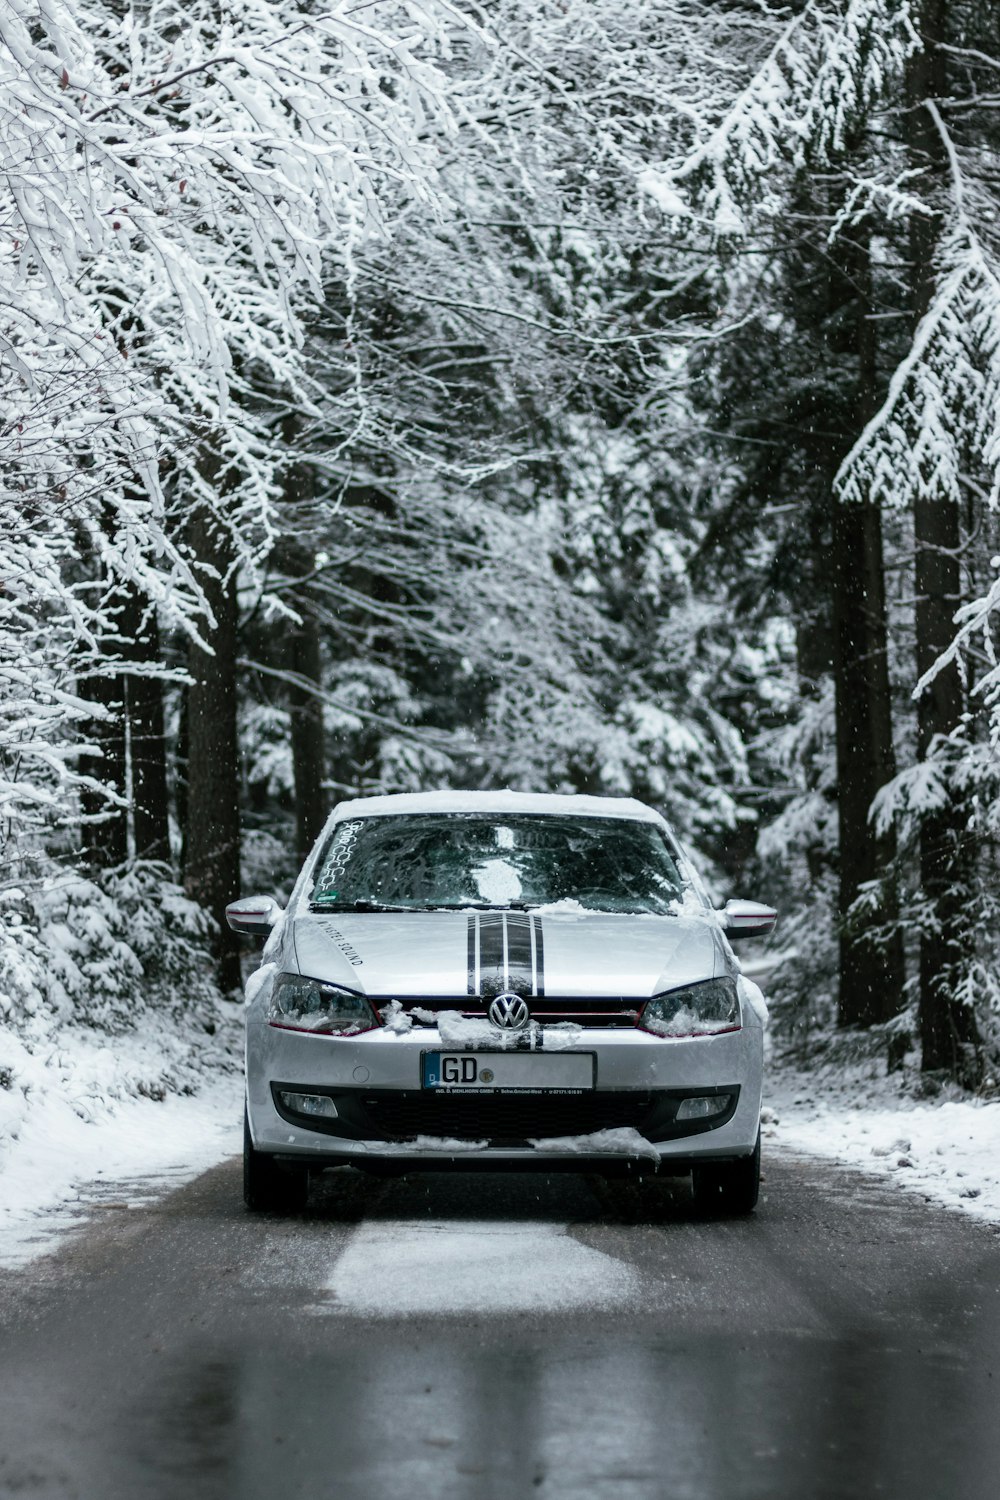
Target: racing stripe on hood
{"x":473,"y":961}
{"x":538,"y":955}
{"x":504,"y":949}
{"x":491,"y":948}
{"x":518,"y":973}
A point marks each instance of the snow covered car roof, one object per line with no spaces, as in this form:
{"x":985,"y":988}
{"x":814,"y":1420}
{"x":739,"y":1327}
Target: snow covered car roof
{"x":495,"y":802}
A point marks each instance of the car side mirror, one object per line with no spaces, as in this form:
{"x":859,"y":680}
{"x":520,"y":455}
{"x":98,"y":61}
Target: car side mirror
{"x":743,"y":919}
{"x":254,"y":915}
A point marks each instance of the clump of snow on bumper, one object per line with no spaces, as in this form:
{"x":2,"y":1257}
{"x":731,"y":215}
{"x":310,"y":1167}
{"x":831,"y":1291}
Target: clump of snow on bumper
{"x":446,"y":1143}
{"x":395,"y":1019}
{"x":561,"y":1035}
{"x":456,"y":1030}
{"x":621,"y":1141}
{"x":470,"y":1032}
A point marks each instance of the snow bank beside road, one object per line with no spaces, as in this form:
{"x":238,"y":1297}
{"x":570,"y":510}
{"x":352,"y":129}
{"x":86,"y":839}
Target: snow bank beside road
{"x":949,"y":1152}
{"x":86,"y":1118}
{"x":63,"y":1169}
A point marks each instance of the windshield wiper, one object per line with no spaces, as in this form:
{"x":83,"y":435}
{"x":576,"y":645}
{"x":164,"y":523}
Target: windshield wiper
{"x":358,"y":906}
{"x":482,"y":906}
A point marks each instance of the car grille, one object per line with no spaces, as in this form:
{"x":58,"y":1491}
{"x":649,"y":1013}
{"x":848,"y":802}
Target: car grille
{"x":503,"y":1119}
{"x":613,"y":1011}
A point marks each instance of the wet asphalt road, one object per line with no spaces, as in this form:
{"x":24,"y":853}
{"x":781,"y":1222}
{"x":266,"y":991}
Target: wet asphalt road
{"x":843,"y":1342}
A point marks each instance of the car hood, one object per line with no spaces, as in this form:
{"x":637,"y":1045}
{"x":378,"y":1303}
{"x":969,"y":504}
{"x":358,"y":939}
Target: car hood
{"x":443,"y":954}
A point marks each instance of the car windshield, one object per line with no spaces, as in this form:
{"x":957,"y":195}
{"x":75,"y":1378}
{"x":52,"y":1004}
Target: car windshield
{"x":456,"y":860}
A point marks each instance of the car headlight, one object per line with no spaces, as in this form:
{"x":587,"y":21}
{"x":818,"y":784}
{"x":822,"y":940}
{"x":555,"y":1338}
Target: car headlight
{"x":300,"y":1004}
{"x":695,"y":1010}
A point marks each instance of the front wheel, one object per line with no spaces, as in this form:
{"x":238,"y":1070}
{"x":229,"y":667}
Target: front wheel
{"x":269,"y":1187}
{"x":728,"y":1188}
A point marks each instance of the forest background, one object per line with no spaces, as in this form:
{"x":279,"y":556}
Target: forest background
{"x":569,"y":395}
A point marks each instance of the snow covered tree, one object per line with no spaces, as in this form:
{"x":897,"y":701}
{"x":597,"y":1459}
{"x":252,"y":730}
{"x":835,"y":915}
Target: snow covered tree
{"x":934,"y":445}
{"x":423,"y":393}
{"x":889,"y":104}
{"x":180,"y":179}
{"x":780,"y":177}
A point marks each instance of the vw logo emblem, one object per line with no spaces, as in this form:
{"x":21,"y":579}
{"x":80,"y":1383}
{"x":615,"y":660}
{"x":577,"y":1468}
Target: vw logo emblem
{"x":509,"y":1012}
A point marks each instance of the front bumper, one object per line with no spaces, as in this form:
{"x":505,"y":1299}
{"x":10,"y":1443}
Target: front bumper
{"x":385,"y":1116}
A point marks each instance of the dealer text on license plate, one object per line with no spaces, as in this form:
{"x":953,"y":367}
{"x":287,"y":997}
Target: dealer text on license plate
{"x":509,"y":1072}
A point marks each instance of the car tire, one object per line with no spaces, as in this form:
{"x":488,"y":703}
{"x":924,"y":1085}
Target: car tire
{"x":268,"y":1186}
{"x":728,"y":1188}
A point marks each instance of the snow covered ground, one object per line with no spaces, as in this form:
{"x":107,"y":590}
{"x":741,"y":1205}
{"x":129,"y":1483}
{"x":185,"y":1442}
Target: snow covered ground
{"x":945,"y":1148}
{"x":88,"y":1122}
{"x":63,"y":1169}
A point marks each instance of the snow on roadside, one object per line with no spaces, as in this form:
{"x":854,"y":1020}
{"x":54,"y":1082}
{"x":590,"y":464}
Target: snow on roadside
{"x":87,"y":1118}
{"x":63,"y":1169}
{"x":947,"y":1150}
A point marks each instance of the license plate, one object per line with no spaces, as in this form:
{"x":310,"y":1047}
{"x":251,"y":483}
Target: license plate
{"x":509,"y":1072}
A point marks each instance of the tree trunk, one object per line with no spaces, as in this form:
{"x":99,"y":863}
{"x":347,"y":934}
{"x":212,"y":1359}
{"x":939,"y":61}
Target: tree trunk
{"x":871,"y":978}
{"x":143,"y":697}
{"x":306,"y":712}
{"x":212,"y":841}
{"x":304,"y":657}
{"x":104,"y":844}
{"x":948,"y":1032}
{"x":147,"y":741}
{"x":180,"y":779}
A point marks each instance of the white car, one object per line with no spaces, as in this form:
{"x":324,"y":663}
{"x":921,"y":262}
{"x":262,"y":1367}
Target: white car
{"x":496,"y":979}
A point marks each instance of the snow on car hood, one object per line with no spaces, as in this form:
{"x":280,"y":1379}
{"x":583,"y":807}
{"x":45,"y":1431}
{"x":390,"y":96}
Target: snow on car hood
{"x":558,"y":954}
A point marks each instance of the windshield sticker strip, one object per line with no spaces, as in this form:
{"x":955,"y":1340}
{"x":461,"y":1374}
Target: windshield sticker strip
{"x":519,"y":975}
{"x":536,"y":923}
